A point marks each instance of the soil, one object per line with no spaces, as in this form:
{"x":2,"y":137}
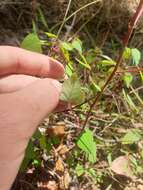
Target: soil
{"x":16,"y":16}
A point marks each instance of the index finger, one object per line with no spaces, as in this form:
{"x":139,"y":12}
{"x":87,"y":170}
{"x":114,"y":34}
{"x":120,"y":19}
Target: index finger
{"x":15,"y":60}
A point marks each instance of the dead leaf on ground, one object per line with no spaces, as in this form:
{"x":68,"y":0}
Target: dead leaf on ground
{"x":62,"y":149}
{"x":49,"y":185}
{"x":122,"y":166}
{"x":65,"y":181}
{"x":138,"y":125}
{"x":59,"y":167}
{"x":56,"y":131}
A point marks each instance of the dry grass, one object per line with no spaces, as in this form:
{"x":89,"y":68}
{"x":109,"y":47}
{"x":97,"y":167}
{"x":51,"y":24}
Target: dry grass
{"x":109,"y":15}
{"x":20,"y":13}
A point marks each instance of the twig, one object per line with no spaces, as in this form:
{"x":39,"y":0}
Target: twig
{"x":88,"y":20}
{"x":77,"y":11}
{"x":69,"y":28}
{"x":27,"y":183}
{"x":84,"y":7}
{"x":65,"y":17}
{"x":137,"y":95}
{"x":7,"y":2}
{"x":138,"y":70}
{"x":131,"y":27}
{"x":136,"y":90}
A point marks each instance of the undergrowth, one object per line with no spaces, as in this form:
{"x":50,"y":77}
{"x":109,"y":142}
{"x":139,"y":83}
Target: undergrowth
{"x":97,"y":140}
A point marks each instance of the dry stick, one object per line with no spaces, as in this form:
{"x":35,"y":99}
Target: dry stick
{"x":77,"y":11}
{"x":88,"y":20}
{"x":131,"y":70}
{"x":131,"y":27}
{"x":69,"y":28}
{"x":65,"y":17}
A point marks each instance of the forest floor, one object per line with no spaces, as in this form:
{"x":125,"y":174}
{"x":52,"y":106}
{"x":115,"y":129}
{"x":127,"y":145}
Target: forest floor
{"x":108,"y":153}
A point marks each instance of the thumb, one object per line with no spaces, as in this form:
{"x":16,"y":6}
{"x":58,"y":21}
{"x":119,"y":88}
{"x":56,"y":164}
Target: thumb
{"x":21,"y":113}
{"x":38,"y":99}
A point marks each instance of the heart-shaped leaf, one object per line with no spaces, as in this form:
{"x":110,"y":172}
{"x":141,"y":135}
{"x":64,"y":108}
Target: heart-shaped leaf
{"x":87,"y":144}
{"x":32,"y":42}
{"x":132,"y":136}
{"x":122,"y":166}
{"x":136,"y":55}
{"x":128,"y":78}
{"x":72,"y":91}
{"x":77,"y":44}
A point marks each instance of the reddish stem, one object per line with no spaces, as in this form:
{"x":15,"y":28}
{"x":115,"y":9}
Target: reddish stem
{"x":131,"y":70}
{"x":131,"y":27}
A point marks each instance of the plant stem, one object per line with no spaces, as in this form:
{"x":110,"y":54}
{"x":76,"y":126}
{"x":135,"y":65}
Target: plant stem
{"x":131,"y":27}
{"x":64,"y":20}
{"x":74,"y":13}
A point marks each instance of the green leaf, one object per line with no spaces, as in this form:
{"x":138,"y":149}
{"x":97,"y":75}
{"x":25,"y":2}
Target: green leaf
{"x":109,"y":158}
{"x":37,"y":134}
{"x":130,"y":102}
{"x":91,"y":172}
{"x":77,"y":44}
{"x":128,"y":78}
{"x":87,"y":66}
{"x":90,"y":57}
{"x":36,"y":163}
{"x":42,"y":18}
{"x":29,"y":155}
{"x":132,"y":136}
{"x":141,"y":73}
{"x":43,"y":143}
{"x":87,"y":144}
{"x":72,"y":91}
{"x":107,"y":62}
{"x":34,"y":27}
{"x":127,"y":53}
{"x":66,"y":54}
{"x":50,"y":35}
{"x":97,"y":87}
{"x":136,"y":55}
{"x":32,"y":42}
{"x":79,"y":170}
{"x":67,"y":46}
{"x":69,"y":70}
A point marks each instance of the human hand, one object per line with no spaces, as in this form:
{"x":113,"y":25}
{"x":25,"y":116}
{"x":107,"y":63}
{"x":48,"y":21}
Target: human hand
{"x":25,"y":99}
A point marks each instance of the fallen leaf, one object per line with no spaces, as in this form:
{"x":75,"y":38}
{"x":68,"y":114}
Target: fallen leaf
{"x":62,"y":149}
{"x":56,"y":131}
{"x":138,"y":125}
{"x":59,"y":167}
{"x":122,"y":166}
{"x":65,"y":181}
{"x":49,"y":185}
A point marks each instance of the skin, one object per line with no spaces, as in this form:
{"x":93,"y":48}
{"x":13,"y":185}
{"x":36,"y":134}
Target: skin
{"x":29,"y":91}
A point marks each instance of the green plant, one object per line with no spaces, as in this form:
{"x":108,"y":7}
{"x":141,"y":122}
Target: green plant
{"x":87,"y":144}
{"x":101,"y":92}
